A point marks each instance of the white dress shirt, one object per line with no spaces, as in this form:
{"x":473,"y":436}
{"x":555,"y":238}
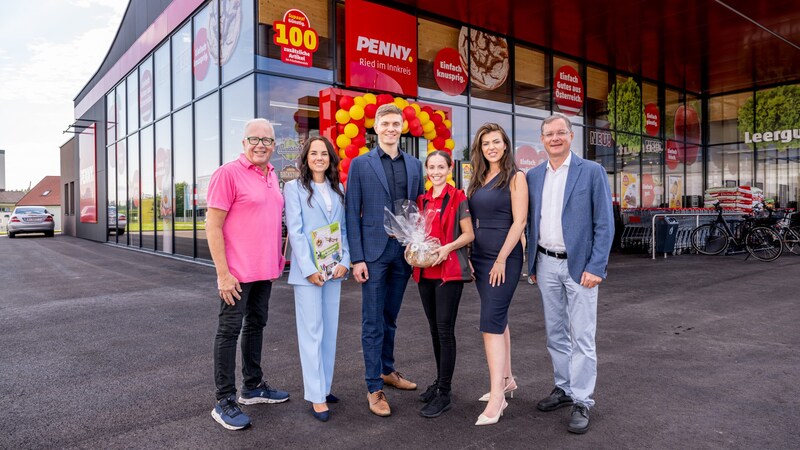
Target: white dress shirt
{"x":325,"y":190}
{"x":551,"y":235}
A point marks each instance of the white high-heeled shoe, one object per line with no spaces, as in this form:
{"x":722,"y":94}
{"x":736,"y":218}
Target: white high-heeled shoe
{"x":484,"y":420}
{"x":507,"y":390}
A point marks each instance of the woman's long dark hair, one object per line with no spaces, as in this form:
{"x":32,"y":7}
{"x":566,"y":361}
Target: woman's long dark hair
{"x":331,"y":174}
{"x":480,"y":166}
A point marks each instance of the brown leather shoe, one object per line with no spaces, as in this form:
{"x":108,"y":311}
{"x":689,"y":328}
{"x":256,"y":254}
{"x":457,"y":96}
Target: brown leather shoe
{"x":396,"y":380}
{"x":378,"y":404}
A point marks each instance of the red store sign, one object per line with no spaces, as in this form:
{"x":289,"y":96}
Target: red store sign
{"x":568,"y":90}
{"x":381,"y":48}
{"x":297,"y":40}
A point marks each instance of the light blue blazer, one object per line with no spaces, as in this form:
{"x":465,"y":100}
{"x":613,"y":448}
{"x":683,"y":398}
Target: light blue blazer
{"x":587,"y":217}
{"x":301,"y":220}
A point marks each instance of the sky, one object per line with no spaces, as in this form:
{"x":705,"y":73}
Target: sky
{"x":49,"y":49}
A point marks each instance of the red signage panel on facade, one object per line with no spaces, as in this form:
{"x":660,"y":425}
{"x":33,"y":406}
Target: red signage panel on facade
{"x":568,"y":90}
{"x":297,"y":40}
{"x":381,"y":48}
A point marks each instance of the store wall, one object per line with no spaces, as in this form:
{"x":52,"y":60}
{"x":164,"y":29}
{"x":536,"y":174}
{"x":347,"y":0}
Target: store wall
{"x":69,"y":163}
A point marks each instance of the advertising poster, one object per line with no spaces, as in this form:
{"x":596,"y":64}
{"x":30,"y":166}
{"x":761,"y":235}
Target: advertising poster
{"x":487,"y":59}
{"x":380,"y":48}
{"x":630,"y":191}
{"x":88,"y":178}
{"x":675,"y":183}
{"x":297,"y":40}
{"x":449,"y":72}
{"x":466,"y":174}
{"x":527,"y":157}
{"x":568,"y":90}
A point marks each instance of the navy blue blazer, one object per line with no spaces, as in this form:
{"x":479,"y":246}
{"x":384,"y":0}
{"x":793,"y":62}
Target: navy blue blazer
{"x":367,"y":195}
{"x":587,"y":217}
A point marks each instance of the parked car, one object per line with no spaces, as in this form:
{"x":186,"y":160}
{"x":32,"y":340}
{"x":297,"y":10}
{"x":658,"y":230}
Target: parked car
{"x":121,"y":223}
{"x":31,"y":219}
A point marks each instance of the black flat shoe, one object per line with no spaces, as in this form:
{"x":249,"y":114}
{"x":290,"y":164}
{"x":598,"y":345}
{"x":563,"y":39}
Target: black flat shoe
{"x":330,"y":398}
{"x":579,"y":419}
{"x":321,"y":416}
{"x":556,"y":399}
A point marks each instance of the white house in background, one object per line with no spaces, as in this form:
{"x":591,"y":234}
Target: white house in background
{"x":46,"y":193}
{"x":8,"y":200}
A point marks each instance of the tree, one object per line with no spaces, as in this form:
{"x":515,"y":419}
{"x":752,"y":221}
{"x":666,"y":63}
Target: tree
{"x":626,"y":115}
{"x":775,"y":109}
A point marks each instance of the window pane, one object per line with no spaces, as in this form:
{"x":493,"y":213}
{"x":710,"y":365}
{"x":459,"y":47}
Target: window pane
{"x":133,"y":102}
{"x":236,"y":37}
{"x":531,"y":82}
{"x":111,"y":118}
{"x":184,"y":185}
{"x":182,"y":66}
{"x":121,"y":110}
{"x":134,"y":226}
{"x":489,"y":62}
{"x":146,"y":92}
{"x":162,"y":76}
{"x":238,"y":106}
{"x":206,"y":149}
{"x":269,"y":54}
{"x":148,"y":219}
{"x":122,"y":187}
{"x":438,"y":42}
{"x":111,"y":189}
{"x":529,"y":151}
{"x":205,"y":51}
{"x":597,"y":97}
{"x":163,"y":186}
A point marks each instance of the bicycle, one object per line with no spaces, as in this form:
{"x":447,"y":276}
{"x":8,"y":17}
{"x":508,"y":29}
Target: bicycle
{"x":761,"y":241}
{"x":789,"y":233}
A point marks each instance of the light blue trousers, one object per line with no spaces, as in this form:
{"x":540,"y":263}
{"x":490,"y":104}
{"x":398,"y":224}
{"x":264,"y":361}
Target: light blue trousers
{"x":317,"y":314}
{"x":570,"y":315}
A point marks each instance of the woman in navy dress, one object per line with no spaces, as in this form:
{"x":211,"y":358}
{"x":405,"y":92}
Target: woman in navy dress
{"x":498,"y":202}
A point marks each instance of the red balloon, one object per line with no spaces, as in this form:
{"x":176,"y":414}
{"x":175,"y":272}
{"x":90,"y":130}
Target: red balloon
{"x":346,"y":102}
{"x":436,"y":119}
{"x":339,"y":128}
{"x":438,"y":143}
{"x":362,"y":130}
{"x":346,"y":164}
{"x":359,"y":122}
{"x":359,"y":141}
{"x":417,"y":132}
{"x":342,"y":177}
{"x":369,"y":110}
{"x":383,"y":99}
{"x":442,"y":131}
{"x":414,"y":123}
{"x":428,"y":110}
{"x":351,"y":151}
{"x":409,"y":112}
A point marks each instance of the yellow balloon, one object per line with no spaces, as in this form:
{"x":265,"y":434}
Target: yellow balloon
{"x":431,"y":147}
{"x":447,"y":123}
{"x":430,"y":135}
{"x":342,"y":141}
{"x":423,"y":117}
{"x":351,"y":130}
{"x":342,"y":155}
{"x":428,"y":126}
{"x":449,"y":176}
{"x":400,"y":103}
{"x":451,"y":182}
{"x":416,"y":107}
{"x":441,"y":113}
{"x":356,"y":112}
{"x":362,"y":151}
{"x":360,"y":101}
{"x":450,"y":144}
{"x":369,"y":123}
{"x":428,"y":185}
{"x":370,"y":98}
{"x":342,"y":116}
{"x":405,"y":126}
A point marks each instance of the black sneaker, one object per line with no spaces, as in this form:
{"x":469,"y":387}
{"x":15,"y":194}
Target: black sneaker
{"x":228,"y":414}
{"x":579,"y":419}
{"x":557,"y":399}
{"x":439,"y":404}
{"x":429,"y":393}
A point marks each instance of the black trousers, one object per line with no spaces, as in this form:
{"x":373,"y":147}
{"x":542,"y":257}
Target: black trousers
{"x":252,"y":310}
{"x":440,"y":302}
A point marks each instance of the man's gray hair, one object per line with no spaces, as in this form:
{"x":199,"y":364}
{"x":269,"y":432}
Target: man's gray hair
{"x":555,"y":117}
{"x":260,"y":121}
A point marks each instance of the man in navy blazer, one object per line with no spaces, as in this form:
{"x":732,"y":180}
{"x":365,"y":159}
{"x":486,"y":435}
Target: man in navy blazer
{"x":570,"y":231}
{"x":377,"y":180}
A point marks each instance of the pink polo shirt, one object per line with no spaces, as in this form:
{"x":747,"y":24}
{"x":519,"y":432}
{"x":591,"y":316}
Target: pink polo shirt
{"x":252,"y":228}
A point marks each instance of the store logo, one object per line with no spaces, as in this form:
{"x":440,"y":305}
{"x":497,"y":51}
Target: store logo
{"x":383,"y":48}
{"x":784,"y":136}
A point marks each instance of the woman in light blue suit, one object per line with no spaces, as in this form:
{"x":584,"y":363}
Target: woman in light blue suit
{"x":313,"y":201}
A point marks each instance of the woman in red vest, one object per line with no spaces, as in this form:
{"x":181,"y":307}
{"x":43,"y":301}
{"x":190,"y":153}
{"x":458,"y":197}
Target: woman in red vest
{"x":440,"y":285}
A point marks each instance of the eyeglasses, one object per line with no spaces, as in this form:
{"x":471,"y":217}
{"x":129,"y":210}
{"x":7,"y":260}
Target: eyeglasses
{"x":559,"y":133}
{"x":267,"y":141}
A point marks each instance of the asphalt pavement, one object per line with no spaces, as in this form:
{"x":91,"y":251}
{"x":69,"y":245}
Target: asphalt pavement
{"x":105,"y":347}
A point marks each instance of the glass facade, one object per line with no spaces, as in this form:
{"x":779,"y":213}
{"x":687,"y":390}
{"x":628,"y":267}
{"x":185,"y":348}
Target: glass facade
{"x":179,"y":114}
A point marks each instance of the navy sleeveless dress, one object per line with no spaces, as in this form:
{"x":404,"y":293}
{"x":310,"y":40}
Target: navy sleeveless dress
{"x":492,"y":219}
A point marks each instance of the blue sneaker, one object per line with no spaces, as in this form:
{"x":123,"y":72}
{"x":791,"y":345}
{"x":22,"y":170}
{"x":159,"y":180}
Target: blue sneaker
{"x":228,"y":414}
{"x":263,"y":394}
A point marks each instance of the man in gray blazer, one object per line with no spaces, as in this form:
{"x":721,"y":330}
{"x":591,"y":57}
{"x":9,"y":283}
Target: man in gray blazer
{"x":377,"y":180}
{"x":570,"y":228}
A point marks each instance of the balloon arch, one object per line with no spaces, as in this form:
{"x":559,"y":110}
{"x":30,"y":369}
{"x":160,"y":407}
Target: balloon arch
{"x":345,"y":117}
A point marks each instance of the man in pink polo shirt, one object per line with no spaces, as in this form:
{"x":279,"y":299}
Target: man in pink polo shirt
{"x":243,"y":226}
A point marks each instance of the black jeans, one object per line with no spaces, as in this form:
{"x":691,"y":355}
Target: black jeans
{"x":440,"y":302}
{"x":252,"y":308}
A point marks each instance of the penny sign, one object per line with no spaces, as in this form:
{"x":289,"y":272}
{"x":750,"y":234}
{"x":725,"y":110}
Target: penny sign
{"x":297,"y":40}
{"x":568,"y":90}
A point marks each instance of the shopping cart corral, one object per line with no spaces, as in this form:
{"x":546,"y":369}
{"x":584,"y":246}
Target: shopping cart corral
{"x":687,"y":219}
